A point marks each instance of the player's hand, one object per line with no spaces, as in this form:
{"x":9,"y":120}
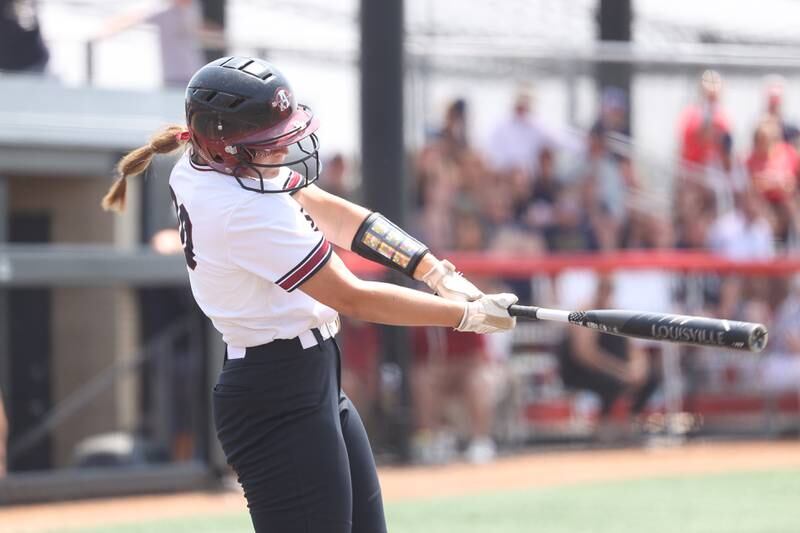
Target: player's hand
{"x":449,"y":284}
{"x":489,"y":314}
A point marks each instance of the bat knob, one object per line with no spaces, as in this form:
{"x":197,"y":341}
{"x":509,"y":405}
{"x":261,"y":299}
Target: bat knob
{"x":758,"y":338}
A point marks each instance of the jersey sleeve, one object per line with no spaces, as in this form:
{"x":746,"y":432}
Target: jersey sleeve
{"x":292,"y":181}
{"x":275,"y":239}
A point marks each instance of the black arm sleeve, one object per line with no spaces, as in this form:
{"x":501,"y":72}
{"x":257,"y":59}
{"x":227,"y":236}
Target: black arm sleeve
{"x":381,"y":241}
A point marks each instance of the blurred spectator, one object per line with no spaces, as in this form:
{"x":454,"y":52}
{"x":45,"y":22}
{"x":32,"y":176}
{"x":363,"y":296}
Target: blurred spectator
{"x":613,"y":112}
{"x":449,"y":175}
{"x":774,"y":168}
{"x":705,"y":148}
{"x":435,"y":224}
{"x":468,"y":232}
{"x":743,"y":233}
{"x":694,"y":221}
{"x":360,"y":347}
{"x":515,"y":143}
{"x":182,"y":34}
{"x":728,"y":173}
{"x":649,"y":230}
{"x":3,"y":437}
{"x":773,"y":92}
{"x":773,"y":164}
{"x":574,"y":229}
{"x":608,"y":365}
{"x":453,"y":134}
{"x":451,"y":364}
{"x":334,"y":177}
{"x":537,"y":211}
{"x":497,"y":206}
{"x":703,"y":125}
{"x":781,"y":371}
{"x":21,"y":46}
{"x":602,"y":167}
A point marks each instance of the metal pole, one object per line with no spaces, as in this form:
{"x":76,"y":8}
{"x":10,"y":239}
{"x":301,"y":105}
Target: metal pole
{"x":571,"y":82}
{"x":673,"y":392}
{"x":384,"y":180}
{"x":614,"y":20}
{"x":383,"y":158}
{"x":89,"y":61}
{"x":214,"y":15}
{"x":5,"y":356}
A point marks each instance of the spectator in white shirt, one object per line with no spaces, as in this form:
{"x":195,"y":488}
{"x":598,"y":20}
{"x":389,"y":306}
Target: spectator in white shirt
{"x":515,"y":143}
{"x":182,"y":34}
{"x":743,"y":233}
{"x":781,"y":365}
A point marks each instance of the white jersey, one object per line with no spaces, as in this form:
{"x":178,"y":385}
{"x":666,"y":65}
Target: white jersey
{"x":247,"y":253}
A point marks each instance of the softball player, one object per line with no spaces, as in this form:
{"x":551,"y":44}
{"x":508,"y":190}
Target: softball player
{"x":257,"y":239}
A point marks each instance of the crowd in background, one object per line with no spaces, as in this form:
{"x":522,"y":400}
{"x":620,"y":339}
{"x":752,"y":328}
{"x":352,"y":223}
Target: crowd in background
{"x":527,"y":189}
{"x":529,"y":181}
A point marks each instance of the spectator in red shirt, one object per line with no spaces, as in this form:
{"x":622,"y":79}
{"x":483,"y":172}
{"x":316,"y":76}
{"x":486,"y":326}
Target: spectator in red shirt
{"x":774,"y":168}
{"x":703,"y":125}
{"x":773,"y":92}
{"x":773,"y":164}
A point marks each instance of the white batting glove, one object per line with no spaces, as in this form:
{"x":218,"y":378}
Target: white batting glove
{"x":449,"y":284}
{"x":489,"y":314}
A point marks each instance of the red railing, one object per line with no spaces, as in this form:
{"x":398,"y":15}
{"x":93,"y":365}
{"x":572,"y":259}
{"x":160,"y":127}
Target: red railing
{"x":524,"y":266}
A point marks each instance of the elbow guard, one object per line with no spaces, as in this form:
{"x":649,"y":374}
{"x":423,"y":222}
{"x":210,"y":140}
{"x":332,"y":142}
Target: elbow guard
{"x":379,"y":240}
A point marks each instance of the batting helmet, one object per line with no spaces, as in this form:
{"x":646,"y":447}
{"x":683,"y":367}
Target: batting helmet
{"x":238,"y":105}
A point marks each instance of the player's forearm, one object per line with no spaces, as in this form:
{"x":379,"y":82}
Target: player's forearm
{"x":335,"y":286}
{"x":385,"y":303}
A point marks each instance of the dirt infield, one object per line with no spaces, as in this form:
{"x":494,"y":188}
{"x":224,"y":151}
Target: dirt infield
{"x":534,"y":470}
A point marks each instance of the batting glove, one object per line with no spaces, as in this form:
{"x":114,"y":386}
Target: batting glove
{"x":449,"y":284}
{"x":489,"y":314}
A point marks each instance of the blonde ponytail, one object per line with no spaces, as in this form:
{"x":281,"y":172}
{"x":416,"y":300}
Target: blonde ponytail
{"x":165,"y":141}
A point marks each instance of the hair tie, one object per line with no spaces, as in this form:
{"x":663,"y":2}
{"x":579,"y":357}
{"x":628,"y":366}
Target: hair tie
{"x":183,"y":135}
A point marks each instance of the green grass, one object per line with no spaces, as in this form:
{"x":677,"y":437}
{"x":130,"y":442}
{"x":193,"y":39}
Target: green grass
{"x":762,"y":502}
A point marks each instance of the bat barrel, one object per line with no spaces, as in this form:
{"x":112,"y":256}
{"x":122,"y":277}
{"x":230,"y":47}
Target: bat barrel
{"x":682,"y":329}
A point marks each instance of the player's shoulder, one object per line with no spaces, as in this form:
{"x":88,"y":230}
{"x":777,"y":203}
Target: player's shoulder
{"x":278,"y":209}
{"x":184,"y":164}
{"x":184,"y":173}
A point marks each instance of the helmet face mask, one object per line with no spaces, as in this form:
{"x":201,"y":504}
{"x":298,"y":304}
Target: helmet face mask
{"x":309,"y":160}
{"x":236,"y":106}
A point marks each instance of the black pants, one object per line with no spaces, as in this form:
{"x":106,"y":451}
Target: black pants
{"x":296,"y":441}
{"x":576,"y":376}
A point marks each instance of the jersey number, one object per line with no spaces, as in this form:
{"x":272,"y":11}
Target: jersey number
{"x":310,"y":220}
{"x":185,"y":227}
